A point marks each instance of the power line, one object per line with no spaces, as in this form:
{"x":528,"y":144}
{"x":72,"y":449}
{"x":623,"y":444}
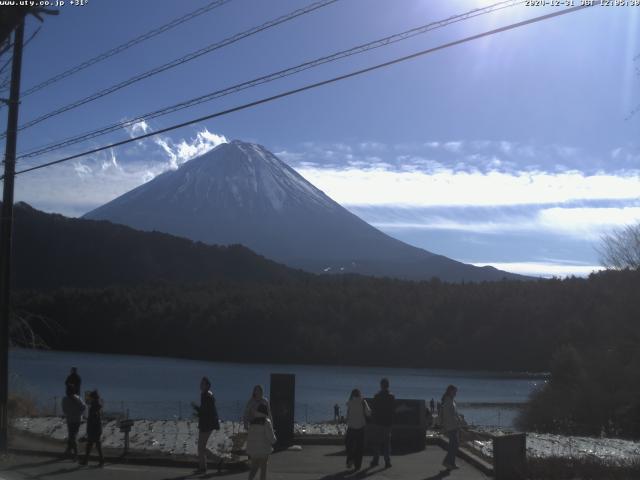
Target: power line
{"x":179,"y":61}
{"x":125,"y":46}
{"x":8,"y":62}
{"x":315,"y":85}
{"x":275,"y":76}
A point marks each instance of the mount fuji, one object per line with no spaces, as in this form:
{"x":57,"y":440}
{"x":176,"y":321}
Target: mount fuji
{"x":240,"y":193}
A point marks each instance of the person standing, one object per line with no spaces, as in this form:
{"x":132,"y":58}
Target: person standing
{"x":257,"y":398}
{"x":382,"y":419}
{"x":74,"y":380}
{"x":451,"y":424}
{"x":94,"y":427}
{"x":357,"y":412}
{"x":207,"y":421}
{"x":260,"y":440}
{"x":72,"y":408}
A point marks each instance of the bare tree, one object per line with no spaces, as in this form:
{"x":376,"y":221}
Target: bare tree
{"x":620,"y":249}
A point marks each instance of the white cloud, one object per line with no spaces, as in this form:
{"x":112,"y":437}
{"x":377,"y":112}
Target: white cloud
{"x":454,"y":147}
{"x":446,"y":187}
{"x":584,"y":223}
{"x":372,"y":146}
{"x":74,"y":189}
{"x":137,"y":128}
{"x":184,"y":150}
{"x":290,"y":157}
{"x":81,"y":169}
{"x":615,"y":153}
{"x":468,"y":155}
{"x":164,"y":145}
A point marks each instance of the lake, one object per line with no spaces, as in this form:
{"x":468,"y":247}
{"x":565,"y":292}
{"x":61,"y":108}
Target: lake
{"x":162,"y":388}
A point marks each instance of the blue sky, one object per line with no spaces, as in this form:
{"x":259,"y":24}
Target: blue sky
{"x":516,"y":150}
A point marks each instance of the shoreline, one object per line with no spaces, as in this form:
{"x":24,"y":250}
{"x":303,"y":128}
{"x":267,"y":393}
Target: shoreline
{"x":507,"y":374}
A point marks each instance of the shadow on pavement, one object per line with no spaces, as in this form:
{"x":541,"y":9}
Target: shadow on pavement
{"x":51,"y":461}
{"x":60,"y":471}
{"x":350,"y":474}
{"x":193,"y":475}
{"x":440,"y":475}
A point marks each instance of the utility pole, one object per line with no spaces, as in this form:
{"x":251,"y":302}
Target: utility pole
{"x":6,"y":231}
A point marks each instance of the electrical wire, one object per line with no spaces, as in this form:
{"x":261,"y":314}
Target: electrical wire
{"x":177,"y":62}
{"x":274,"y":76}
{"x":315,"y":85}
{"x":125,"y":46}
{"x":4,"y":83}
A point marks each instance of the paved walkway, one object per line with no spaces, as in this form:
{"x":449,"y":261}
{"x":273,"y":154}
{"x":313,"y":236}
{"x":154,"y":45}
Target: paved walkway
{"x":314,"y":462}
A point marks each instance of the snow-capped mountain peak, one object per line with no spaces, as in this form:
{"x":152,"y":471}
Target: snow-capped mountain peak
{"x":240,"y":192}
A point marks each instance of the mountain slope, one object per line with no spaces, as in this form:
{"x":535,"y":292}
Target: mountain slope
{"x":51,"y":251}
{"x":242,"y":193}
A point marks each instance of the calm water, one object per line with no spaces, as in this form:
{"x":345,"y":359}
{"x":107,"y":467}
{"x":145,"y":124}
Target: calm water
{"x":162,"y":388}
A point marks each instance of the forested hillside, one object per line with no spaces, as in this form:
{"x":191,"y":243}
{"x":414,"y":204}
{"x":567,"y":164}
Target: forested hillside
{"x":51,"y":251}
{"x":351,"y":320}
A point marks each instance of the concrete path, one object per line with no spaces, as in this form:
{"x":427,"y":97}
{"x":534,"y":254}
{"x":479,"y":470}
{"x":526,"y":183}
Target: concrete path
{"x":312,"y":463}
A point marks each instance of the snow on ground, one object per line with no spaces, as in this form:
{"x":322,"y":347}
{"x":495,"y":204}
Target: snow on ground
{"x":541,"y":445}
{"x":320,"y":429}
{"x":176,"y":437}
{"x":179,"y":437}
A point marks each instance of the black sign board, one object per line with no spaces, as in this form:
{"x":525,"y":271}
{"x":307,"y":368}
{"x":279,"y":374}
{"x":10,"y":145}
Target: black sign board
{"x":510,"y":456}
{"x":283,"y":397}
{"x":409,"y":429}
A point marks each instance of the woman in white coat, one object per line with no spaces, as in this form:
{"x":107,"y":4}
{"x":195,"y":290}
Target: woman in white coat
{"x":357,"y":412}
{"x":260,"y":440}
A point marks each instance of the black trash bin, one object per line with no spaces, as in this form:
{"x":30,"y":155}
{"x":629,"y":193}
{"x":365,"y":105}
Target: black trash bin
{"x":510,"y":456}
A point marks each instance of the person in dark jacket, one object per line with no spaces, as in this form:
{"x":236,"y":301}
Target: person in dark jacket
{"x":451,"y":422}
{"x":382,"y":418}
{"x":207,"y":422}
{"x":73,"y":408}
{"x":74,"y":380}
{"x":94,"y":427}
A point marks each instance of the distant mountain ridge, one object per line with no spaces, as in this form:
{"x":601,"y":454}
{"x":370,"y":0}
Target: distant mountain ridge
{"x":240,"y":193}
{"x":52,"y":251}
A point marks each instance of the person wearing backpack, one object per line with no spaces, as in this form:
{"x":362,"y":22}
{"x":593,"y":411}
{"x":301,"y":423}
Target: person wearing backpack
{"x":207,"y":422}
{"x":260,"y":440}
{"x":357,"y":412}
{"x":94,"y":428}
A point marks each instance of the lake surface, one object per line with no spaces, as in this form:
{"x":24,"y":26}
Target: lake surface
{"x":162,"y":388}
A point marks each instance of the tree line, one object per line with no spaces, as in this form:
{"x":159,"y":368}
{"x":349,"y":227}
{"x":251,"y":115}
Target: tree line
{"x":508,"y":325}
